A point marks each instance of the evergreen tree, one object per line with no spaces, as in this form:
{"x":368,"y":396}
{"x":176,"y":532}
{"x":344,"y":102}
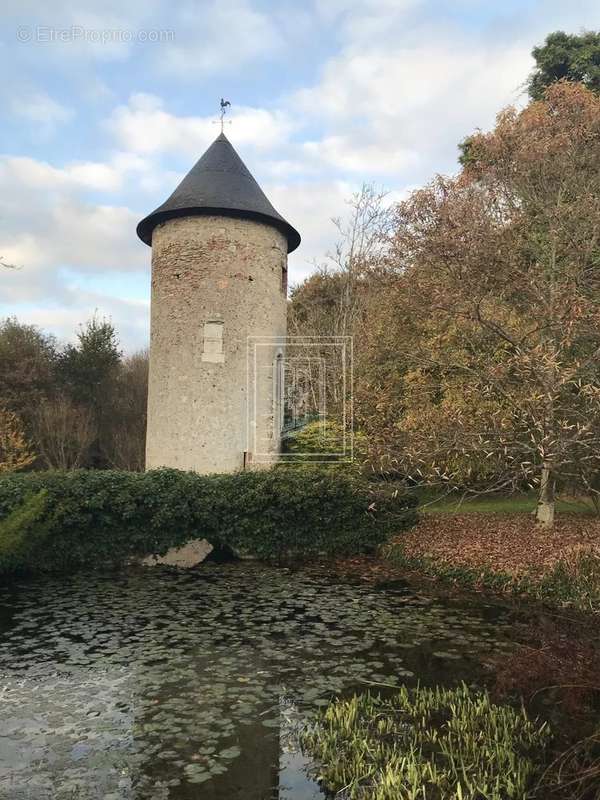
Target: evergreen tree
{"x":565,"y":56}
{"x":90,"y":371}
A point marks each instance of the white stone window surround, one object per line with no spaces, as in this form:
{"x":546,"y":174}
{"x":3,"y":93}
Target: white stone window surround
{"x":212,"y":349}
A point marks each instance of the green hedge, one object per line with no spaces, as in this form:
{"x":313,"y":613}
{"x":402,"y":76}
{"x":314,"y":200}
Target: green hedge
{"x":52,"y":521}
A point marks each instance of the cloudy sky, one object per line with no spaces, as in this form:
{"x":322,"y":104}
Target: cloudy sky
{"x":106,"y":104}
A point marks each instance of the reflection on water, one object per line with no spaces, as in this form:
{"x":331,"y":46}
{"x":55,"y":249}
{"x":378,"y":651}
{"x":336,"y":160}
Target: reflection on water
{"x":188,"y":686}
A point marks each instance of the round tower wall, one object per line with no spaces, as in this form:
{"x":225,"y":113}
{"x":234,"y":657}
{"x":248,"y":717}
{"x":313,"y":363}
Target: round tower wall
{"x":216,"y":281}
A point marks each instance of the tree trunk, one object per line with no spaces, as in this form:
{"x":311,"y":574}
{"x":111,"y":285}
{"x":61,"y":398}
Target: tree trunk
{"x":545,"y":507}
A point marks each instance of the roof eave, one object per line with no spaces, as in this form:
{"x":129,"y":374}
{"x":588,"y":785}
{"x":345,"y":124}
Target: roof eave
{"x":146,"y":226}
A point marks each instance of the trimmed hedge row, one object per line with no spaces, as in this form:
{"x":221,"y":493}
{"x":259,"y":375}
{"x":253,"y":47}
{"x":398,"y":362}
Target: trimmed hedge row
{"x":62,"y":521}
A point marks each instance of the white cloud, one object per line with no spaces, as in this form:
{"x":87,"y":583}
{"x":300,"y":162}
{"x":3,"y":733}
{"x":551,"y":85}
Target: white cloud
{"x":47,"y":223}
{"x":188,"y":39}
{"x":86,"y":32}
{"x":411,"y":79}
{"x":131,"y":318}
{"x":372,"y":83}
{"x":27,"y":172}
{"x":309,"y":207}
{"x":144,"y":126}
{"x":368,"y":21}
{"x":403,"y":111}
{"x":346,"y":154}
{"x":41,"y":109}
{"x":218,"y":37}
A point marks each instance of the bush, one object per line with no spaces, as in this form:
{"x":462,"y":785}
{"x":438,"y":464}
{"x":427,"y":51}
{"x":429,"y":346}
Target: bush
{"x":22,"y":530}
{"x":99,"y":518}
{"x":322,"y":440}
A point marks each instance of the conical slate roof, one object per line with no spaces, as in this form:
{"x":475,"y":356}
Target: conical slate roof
{"x":219,"y":183}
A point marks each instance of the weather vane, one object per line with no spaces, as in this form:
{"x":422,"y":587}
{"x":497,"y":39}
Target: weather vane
{"x":225,"y":104}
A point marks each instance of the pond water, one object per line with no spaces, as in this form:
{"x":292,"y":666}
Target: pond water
{"x":193,"y":686}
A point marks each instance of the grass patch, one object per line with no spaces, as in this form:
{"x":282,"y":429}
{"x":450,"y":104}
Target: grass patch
{"x":434,"y":503}
{"x":427,"y":744}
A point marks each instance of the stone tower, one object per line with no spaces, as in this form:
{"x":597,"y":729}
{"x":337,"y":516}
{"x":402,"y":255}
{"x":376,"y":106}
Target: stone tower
{"x":219,"y":279}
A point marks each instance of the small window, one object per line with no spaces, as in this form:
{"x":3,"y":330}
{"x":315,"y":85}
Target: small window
{"x":213,"y":342}
{"x":284,"y":278}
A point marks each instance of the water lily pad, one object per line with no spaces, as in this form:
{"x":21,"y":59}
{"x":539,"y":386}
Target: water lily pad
{"x":170,"y":678}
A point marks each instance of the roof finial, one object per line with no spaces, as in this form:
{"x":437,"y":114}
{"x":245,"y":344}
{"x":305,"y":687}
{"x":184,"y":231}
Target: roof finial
{"x":225,"y":104}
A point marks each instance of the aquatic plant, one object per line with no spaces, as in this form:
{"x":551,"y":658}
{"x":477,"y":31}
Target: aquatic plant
{"x":427,"y":744}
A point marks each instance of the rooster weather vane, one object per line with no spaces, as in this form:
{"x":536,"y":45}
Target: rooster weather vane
{"x":225,"y":104}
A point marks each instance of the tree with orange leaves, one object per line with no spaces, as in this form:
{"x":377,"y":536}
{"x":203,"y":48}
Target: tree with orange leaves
{"x":15,"y":452}
{"x":500,"y":276}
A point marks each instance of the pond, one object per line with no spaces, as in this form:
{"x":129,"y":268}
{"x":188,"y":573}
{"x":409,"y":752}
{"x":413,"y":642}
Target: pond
{"x":194,"y":685}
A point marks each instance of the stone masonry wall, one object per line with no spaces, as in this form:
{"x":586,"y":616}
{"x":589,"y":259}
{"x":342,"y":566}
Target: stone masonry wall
{"x":209,"y":269}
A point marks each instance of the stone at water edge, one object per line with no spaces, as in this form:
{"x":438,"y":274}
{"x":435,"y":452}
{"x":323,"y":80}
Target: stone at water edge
{"x":189,"y":555}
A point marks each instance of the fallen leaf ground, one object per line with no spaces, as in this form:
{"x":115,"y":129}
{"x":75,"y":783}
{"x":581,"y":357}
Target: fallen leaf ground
{"x":500,"y":542}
